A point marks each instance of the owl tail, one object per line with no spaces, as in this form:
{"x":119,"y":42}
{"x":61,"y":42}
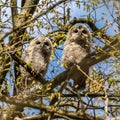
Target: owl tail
{"x":80,"y":79}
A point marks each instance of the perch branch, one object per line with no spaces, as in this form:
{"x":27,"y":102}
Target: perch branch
{"x":83,"y":20}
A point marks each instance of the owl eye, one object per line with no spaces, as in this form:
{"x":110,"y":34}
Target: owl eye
{"x":46,"y":43}
{"x":38,"y":42}
{"x":84,"y":31}
{"x":75,"y":31}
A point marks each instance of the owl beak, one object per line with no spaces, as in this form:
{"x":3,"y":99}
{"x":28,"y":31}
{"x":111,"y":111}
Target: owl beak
{"x":48,"y":49}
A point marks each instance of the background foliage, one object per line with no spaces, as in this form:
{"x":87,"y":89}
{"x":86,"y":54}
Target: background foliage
{"x":52,"y":97}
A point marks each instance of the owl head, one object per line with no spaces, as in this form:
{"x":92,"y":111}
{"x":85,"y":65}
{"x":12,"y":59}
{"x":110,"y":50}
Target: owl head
{"x":79,"y":33}
{"x":42,"y":44}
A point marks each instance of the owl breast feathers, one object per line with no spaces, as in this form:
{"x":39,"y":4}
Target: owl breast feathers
{"x":77,"y":46}
{"x":38,"y":54}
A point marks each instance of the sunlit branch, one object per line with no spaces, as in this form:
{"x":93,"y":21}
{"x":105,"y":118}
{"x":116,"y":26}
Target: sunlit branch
{"x":32,"y":19}
{"x":49,"y":109}
{"x":90,"y":95}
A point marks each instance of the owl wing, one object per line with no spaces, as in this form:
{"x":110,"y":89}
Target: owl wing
{"x":26,"y":57}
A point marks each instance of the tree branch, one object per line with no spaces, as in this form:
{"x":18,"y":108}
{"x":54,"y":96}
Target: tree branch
{"x":14,"y":11}
{"x":83,"y":20}
{"x":89,"y":95}
{"x":49,"y":109}
{"x":38,"y":77}
{"x":32,"y":19}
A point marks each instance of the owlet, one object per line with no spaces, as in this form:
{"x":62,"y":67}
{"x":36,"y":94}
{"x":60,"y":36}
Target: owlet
{"x":76,"y":47}
{"x":37,"y":55}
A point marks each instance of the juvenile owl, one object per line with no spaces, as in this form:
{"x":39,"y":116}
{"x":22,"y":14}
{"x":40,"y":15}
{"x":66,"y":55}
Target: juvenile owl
{"x":77,"y":46}
{"x":37,"y":55}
